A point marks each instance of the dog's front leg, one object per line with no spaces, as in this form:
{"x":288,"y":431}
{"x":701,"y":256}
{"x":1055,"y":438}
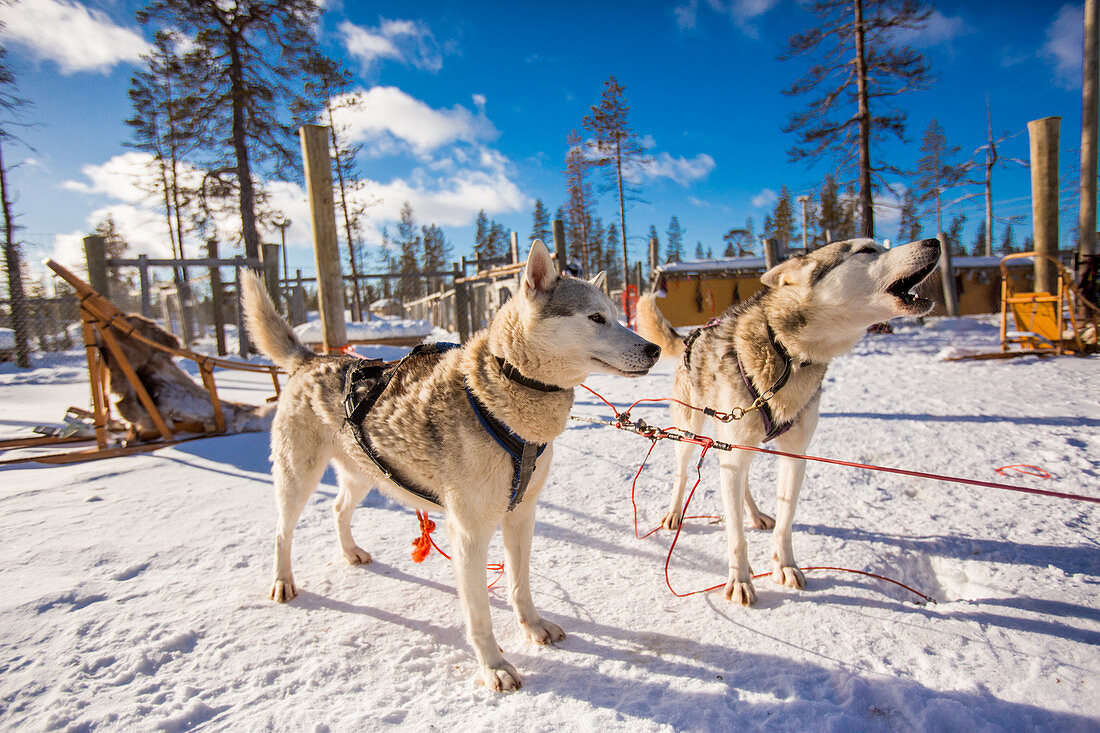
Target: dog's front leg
{"x":792,"y":471}
{"x":734,"y":470}
{"x":518,"y":527}
{"x":470,"y":551}
{"x":692,"y":421}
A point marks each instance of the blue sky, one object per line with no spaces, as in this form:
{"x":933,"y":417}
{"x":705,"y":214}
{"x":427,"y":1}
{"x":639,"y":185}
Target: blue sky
{"x":469,"y":105}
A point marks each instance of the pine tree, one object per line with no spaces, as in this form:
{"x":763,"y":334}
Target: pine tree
{"x":481,"y":235}
{"x":782,"y":219}
{"x":675,"y":237}
{"x":241,"y":70}
{"x":1008,"y":244}
{"x":614,"y":280}
{"x":597,"y":246}
{"x":117,"y":247}
{"x":11,"y":105}
{"x":937,"y":173}
{"x":909,"y":219}
{"x":859,"y":68}
{"x":953,"y":235}
{"x":163,"y":126}
{"x":980,"y":240}
{"x":540,"y":225}
{"x":699,"y":250}
{"x":409,"y":246}
{"x":830,"y":215}
{"x":436,"y":253}
{"x":619,"y":149}
{"x":577,"y":166}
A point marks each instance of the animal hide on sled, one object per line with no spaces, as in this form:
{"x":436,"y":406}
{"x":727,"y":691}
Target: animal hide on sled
{"x":184,"y":404}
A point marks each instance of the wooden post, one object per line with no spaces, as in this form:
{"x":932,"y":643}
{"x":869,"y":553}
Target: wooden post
{"x":242,"y":336}
{"x":515,"y":247}
{"x":1044,"y":198}
{"x":1087,"y":219}
{"x":269,"y":257}
{"x":462,"y":306}
{"x":560,"y":253}
{"x":95,"y":252}
{"x":217,"y":296}
{"x":143,"y":274}
{"x":771,"y":252}
{"x":654,"y":256}
{"x":947,"y":279}
{"x":330,"y":277}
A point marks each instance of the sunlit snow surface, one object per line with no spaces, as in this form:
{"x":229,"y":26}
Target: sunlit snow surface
{"x":135,"y":589}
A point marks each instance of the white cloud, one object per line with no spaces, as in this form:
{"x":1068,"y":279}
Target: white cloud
{"x":405,"y":41}
{"x":75,"y":37}
{"x":741,"y":12}
{"x":939,"y":29}
{"x":384,"y":115}
{"x":765,"y":198}
{"x":682,"y":170}
{"x":1063,"y":47}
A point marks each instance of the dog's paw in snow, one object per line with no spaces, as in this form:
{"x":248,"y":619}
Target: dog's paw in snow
{"x":672,"y":521}
{"x":741,"y":592}
{"x":789,"y":576}
{"x":543,"y":632}
{"x":501,"y":677}
{"x":283,"y":590}
{"x":357,"y":556}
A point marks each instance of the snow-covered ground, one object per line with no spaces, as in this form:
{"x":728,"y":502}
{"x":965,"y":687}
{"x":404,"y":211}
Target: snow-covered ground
{"x":135,"y":588}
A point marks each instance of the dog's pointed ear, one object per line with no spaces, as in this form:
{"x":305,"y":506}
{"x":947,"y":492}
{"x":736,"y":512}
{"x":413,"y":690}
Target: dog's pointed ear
{"x":789,"y":272}
{"x":600,"y":280}
{"x":540,"y":274}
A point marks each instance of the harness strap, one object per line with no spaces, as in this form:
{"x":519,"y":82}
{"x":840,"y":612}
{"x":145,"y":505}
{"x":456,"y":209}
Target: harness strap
{"x":355,"y":413}
{"x":522,"y":453}
{"x":771,"y":430}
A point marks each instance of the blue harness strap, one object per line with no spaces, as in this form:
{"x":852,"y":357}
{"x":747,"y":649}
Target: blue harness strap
{"x":522,"y":453}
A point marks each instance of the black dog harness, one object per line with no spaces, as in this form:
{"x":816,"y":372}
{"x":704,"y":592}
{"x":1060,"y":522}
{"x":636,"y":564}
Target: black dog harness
{"x":522,"y":453}
{"x":771,"y":429}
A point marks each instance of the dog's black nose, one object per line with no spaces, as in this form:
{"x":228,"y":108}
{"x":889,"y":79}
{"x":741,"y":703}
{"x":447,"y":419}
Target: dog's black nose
{"x":653,"y":351}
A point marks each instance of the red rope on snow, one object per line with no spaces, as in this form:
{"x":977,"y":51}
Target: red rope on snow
{"x":708,"y":443}
{"x":1023,"y":468}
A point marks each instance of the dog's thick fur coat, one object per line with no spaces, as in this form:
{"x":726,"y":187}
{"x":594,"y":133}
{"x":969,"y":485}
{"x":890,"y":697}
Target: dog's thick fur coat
{"x":556,"y":330}
{"x":818,"y":307}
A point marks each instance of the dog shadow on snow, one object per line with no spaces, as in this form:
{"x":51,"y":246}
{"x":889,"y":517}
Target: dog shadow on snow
{"x":742,"y":688}
{"x":750,"y":688}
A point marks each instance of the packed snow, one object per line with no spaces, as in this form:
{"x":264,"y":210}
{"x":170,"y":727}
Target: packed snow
{"x":135,"y":588}
{"x":376,"y":329}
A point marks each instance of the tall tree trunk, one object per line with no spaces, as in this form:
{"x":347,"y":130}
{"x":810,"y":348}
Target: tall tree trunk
{"x":17,"y":301}
{"x":866,"y":208}
{"x":357,"y":302}
{"x":240,"y":148}
{"x":622,"y":213}
{"x":990,"y":161}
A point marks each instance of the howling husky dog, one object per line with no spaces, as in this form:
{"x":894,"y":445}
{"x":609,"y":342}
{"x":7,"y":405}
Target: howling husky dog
{"x":426,"y":441}
{"x":811,"y":309}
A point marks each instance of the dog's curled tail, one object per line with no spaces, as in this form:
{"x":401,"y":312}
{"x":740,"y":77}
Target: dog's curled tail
{"x":653,"y":326}
{"x":266,"y":327}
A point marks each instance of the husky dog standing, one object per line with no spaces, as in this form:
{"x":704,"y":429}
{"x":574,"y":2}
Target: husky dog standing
{"x":812,"y":309}
{"x":427,"y":429}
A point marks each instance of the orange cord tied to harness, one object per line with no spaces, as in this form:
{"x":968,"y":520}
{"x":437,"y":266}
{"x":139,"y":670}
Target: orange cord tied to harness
{"x":423,"y":544}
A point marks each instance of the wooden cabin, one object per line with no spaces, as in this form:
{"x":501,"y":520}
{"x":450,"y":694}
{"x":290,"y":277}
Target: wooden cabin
{"x":691,"y":293}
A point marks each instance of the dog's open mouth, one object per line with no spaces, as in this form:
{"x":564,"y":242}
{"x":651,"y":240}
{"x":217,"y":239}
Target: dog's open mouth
{"x":622,"y":372}
{"x":902,"y":289}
